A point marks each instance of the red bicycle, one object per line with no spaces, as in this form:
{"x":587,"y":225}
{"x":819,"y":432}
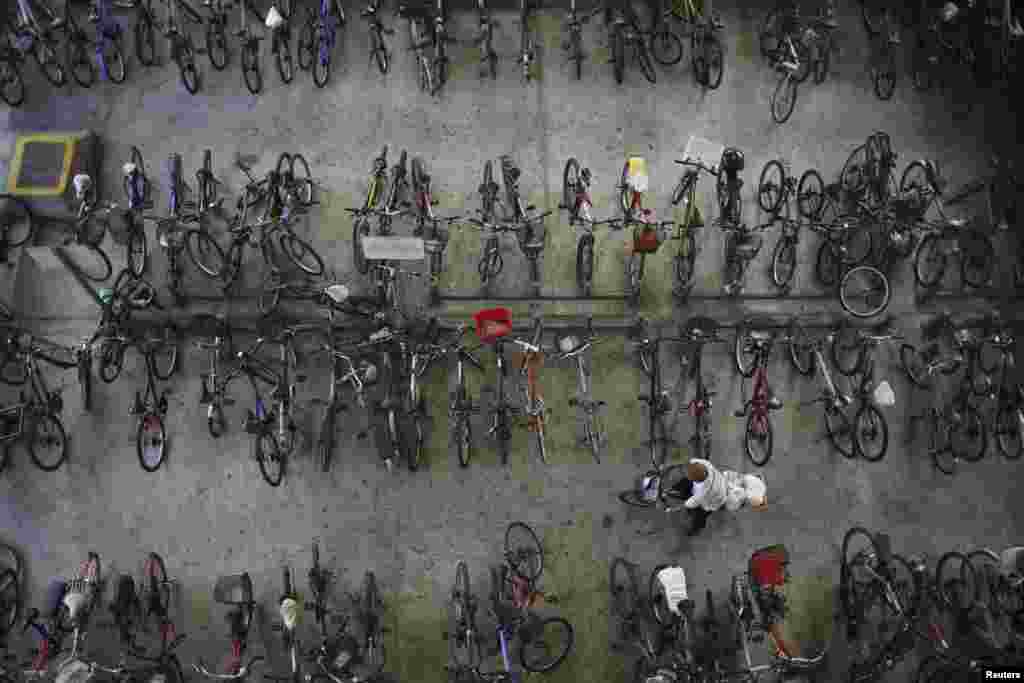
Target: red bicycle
{"x":753,"y":347}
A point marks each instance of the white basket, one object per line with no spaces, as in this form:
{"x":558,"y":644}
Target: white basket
{"x":673,"y":582}
{"x":705,"y":151}
{"x":884,"y":395}
{"x":393,"y":248}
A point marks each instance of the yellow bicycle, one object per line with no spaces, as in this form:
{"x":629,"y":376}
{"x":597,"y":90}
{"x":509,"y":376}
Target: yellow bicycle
{"x":706,"y":53}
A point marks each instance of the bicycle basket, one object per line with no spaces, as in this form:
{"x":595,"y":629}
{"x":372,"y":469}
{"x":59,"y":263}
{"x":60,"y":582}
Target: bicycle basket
{"x":646,"y":239}
{"x":768,"y":566}
{"x":884,"y":395}
{"x":635,"y":174}
{"x":492,"y":324}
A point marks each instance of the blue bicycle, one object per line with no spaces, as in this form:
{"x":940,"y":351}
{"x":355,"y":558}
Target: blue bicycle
{"x":108,"y":42}
{"x":317,"y":40}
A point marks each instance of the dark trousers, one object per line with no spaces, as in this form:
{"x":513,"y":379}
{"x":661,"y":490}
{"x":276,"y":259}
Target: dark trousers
{"x":698,"y":515}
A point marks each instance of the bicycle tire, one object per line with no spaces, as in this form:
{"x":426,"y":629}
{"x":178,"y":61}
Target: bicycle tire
{"x":415,"y":453}
{"x":853,"y":177}
{"x":463,"y":429}
{"x":871,"y":427}
{"x":914,"y":366}
{"x":283,"y":58}
{"x":618,"y":55}
{"x":635,"y":266}
{"x":12,"y":85}
{"x":216,"y":424}
{"x":462,"y":600}
{"x":685,"y":259}
{"x":666,"y":48}
{"x":302,"y":177}
{"x":380,"y":54}
{"x":92,"y":262}
{"x":205,"y":253}
{"x":759,"y":459}
{"x":976,"y":260}
{"x":397,"y":444}
{"x":768,"y":38}
{"x":5,"y":455}
{"x":10,"y":594}
{"x":714,"y":62}
{"x":810,"y":195}
{"x":771,"y":187}
{"x":745,"y":362}
{"x":881,"y":292}
{"x":1007,"y":428}
{"x":947,"y":578}
{"x":48,"y":63}
{"x":972,"y":427}
{"x":801,"y":350}
{"x":526,"y":557}
{"x":251,"y":68}
{"x":114,"y":61}
{"x":585,"y":265}
{"x":643,"y":56}
{"x":625,"y":590}
{"x":570,"y":179}
{"x":165,"y":356}
{"x":322,"y":62}
{"x":268,"y":454}
{"x":562,"y":651}
{"x":848,"y":353}
{"x":306,"y":42}
{"x":840,"y":431}
{"x":929,"y":262}
{"x":111,"y":359}
{"x":783,"y":263}
{"x":145,"y":40}
{"x":635,"y":499}
{"x":79,"y":61}
{"x":373,"y":606}
{"x":945,"y":459}
{"x":872,"y":17}
{"x":302,"y":254}
{"x":151,"y":441}
{"x":159,"y":586}
{"x":54,"y":436}
{"x":217,"y":46}
{"x":186,"y":60}
{"x":359,"y":259}
{"x":16,"y":217}
{"x":782,"y":107}
{"x":137,"y":251}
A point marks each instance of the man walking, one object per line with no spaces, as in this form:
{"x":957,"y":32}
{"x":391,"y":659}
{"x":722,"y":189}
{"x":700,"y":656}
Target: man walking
{"x":706,"y":489}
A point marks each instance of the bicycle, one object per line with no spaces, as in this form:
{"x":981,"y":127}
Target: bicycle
{"x":214,"y":386}
{"x":698,"y":331}
{"x":648,"y":234}
{"x":868,"y":171}
{"x":460,"y":405}
{"x":279,"y":21}
{"x":491,"y":263}
{"x":236,"y":592}
{"x":206,"y":188}
{"x":624,"y":28}
{"x":1008,"y":419}
{"x":492,"y":325}
{"x":174,"y":238}
{"x":136,"y":188}
{"x":378,"y":50}
{"x":441,"y":39}
{"x":250,"y":47}
{"x":108,"y":42}
{"x":12,"y":579}
{"x":807,"y":356}
{"x":574,"y":45}
{"x":30,"y":34}
{"x":757,"y":344}
{"x":374,"y":192}
{"x":685,"y":192}
{"x":529,"y":370}
{"x":180,"y":42}
{"x":464,"y":640}
{"x":35,"y":420}
{"x":576,"y":200}
{"x":595,"y":436}
{"x":318,"y":38}
{"x":420,"y":38}
{"x":527,"y":47}
{"x":217,"y":34}
{"x":150,"y":407}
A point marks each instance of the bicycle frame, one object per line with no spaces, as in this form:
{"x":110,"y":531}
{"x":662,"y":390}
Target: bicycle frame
{"x":533,"y":357}
{"x":501,"y":410}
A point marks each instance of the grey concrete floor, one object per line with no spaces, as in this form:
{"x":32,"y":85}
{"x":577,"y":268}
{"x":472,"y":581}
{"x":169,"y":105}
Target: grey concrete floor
{"x":209,"y":513}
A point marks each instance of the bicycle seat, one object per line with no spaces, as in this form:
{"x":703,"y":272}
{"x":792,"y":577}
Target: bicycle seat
{"x":235,"y":590}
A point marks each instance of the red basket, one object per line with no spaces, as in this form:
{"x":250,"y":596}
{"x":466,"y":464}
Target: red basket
{"x":646,"y":240}
{"x":768,"y":566}
{"x":492,"y":324}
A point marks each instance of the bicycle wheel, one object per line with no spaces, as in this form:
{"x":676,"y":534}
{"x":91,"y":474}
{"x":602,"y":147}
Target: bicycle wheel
{"x":545,"y":644}
{"x":1009,"y":437}
{"x":465,"y":645}
{"x":636,"y":499}
{"x":915,"y":366}
{"x":839,"y":431}
{"x":463,"y":430}
{"x":570,"y":181}
{"x":644,"y":57}
{"x":714,"y":61}
{"x":15,"y":220}
{"x":306,"y":44}
{"x":684,"y":261}
{"x":873,"y":15}
{"x":585,"y":264}
{"x":111,"y":359}
{"x":666,"y":47}
{"x":303,"y":179}
{"x":251,"y":67}
{"x":47,"y":442}
{"x":969,"y":437}
{"x":92,"y":262}
{"x":854,"y":175}
{"x":158,"y":586}
{"x":810,"y":195}
{"x":205,"y":253}
{"x":145,"y":40}
{"x":955,"y":581}
{"x":768,"y":36}
{"x":165,"y":355}
{"x":360,"y":228}
{"x":801,"y":349}
{"x":302,"y":254}
{"x":624,"y":588}
{"x":864,"y":292}
{"x":883,"y":73}
{"x":848,"y":353}
{"x":151,"y":441}
{"x":189,"y":72}
{"x":112,"y":60}
{"x":783,"y":263}
{"x":285,"y":64}
{"x":744,"y":358}
{"x":618,"y":55}
{"x":12,"y":86}
{"x":757,"y":441}
{"x":322,"y":60}
{"x":268,"y":453}
{"x":10,"y":600}
{"x":46,"y":57}
{"x":79,"y":61}
{"x":137,"y":251}
{"x":988,"y":580}
{"x":217,"y":45}
{"x":976,"y":260}
{"x":784,"y":99}
{"x":871,"y":433}
{"x":771,"y":186}
{"x":523,"y":551}
{"x":635,"y":275}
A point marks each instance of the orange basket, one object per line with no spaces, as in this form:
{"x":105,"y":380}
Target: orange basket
{"x":492,"y":324}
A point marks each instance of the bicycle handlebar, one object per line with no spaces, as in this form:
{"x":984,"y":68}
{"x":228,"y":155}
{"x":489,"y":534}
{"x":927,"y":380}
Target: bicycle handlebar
{"x":200,"y":667}
{"x":698,"y":164}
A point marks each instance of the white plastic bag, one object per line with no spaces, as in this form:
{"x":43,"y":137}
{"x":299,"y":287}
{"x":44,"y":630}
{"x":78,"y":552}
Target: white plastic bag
{"x":274,"y":18}
{"x":673,"y":581}
{"x":289,"y":613}
{"x":884,"y":395}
